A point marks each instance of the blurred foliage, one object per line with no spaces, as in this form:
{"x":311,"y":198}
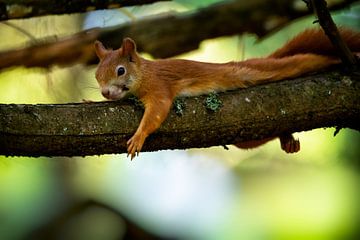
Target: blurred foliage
{"x":194,"y":194}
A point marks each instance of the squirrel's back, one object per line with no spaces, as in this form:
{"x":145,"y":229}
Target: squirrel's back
{"x":315,"y":41}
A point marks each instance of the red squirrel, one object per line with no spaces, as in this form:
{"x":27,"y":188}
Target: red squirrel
{"x":157,"y":83}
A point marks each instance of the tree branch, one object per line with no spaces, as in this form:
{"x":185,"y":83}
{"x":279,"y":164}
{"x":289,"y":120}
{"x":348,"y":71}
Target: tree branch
{"x":322,"y":100}
{"x":11,"y":9}
{"x":333,"y":34}
{"x":162,"y":36}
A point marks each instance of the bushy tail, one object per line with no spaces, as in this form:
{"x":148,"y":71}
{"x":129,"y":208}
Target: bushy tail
{"x":315,"y":41}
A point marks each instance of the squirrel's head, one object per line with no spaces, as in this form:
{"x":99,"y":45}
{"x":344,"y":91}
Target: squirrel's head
{"x":117,"y":70}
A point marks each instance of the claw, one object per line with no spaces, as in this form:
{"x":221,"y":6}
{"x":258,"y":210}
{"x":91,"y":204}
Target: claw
{"x":134,"y":145}
{"x":290,"y":144}
{"x":293,"y":146}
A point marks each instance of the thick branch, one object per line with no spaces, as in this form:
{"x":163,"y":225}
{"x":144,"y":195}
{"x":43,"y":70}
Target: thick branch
{"x":10,"y":9}
{"x":163,"y":36}
{"x":322,"y":100}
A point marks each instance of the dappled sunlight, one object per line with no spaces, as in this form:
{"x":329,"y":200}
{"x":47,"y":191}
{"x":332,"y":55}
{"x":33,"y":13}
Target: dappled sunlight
{"x":58,"y":85}
{"x":170,"y":186}
{"x":297,"y":204}
{"x":207,"y":193}
{"x":27,"y":86}
{"x":28,"y":187}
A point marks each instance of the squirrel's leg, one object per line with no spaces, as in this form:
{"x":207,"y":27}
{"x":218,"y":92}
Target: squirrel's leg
{"x":288,"y":143}
{"x":155,"y":113}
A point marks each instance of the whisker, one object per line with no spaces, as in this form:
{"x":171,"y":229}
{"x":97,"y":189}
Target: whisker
{"x":91,"y":87}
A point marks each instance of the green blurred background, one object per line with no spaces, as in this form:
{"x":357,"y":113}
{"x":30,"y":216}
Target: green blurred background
{"x":195,"y":194}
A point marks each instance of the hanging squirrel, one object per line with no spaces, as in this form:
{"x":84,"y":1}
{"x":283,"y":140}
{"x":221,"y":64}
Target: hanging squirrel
{"x":157,"y":83}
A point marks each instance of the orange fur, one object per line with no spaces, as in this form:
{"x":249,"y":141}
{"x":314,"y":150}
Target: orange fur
{"x":314,"y":41}
{"x":157,"y":83}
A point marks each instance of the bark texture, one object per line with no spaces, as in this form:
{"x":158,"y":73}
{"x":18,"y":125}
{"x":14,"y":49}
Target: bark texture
{"x":322,"y":100}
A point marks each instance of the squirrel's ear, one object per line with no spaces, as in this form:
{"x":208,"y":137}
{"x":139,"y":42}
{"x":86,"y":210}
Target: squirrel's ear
{"x":128,"y":46}
{"x":100,"y":49}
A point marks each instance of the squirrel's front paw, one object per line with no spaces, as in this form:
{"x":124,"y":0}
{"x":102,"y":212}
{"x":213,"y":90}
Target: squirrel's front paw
{"x":135,"y":144}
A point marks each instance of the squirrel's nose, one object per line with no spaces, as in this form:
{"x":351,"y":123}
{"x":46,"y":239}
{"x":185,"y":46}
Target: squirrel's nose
{"x":105,"y":92}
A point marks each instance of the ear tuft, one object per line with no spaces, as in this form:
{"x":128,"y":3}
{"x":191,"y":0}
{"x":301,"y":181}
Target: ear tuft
{"x":128,"y":47}
{"x":100,"y":50}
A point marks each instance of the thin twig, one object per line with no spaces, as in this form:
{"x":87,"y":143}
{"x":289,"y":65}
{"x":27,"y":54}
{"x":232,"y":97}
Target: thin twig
{"x":19,"y":29}
{"x":330,"y":29}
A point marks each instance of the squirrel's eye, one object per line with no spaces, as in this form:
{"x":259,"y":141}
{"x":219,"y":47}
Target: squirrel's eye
{"x":120,"y":70}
